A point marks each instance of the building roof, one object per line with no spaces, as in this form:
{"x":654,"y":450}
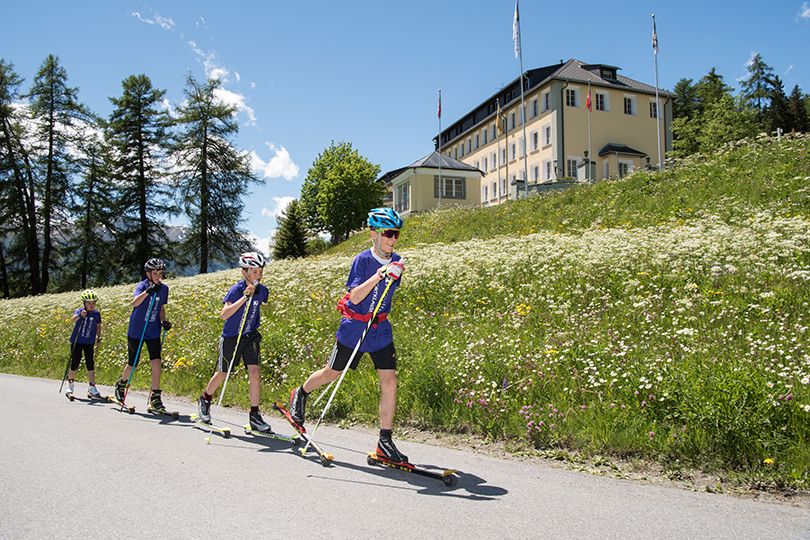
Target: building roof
{"x":572,"y":71}
{"x":623,"y":149}
{"x":431,"y":161}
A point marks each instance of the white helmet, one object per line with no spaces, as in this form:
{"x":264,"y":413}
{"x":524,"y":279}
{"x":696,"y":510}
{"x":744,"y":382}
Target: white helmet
{"x":251,"y":259}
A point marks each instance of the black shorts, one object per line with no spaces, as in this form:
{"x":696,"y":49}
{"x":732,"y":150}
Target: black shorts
{"x":76,"y":356}
{"x":152,"y":345}
{"x":385,"y":358}
{"x":248,"y":351}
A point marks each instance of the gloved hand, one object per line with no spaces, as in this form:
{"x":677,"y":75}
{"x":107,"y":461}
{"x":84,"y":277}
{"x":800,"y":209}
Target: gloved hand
{"x":391,"y":270}
{"x":167,"y":324}
{"x":153,"y":288}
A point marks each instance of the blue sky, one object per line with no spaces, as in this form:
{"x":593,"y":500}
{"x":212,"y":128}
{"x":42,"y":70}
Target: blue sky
{"x":306,"y":73}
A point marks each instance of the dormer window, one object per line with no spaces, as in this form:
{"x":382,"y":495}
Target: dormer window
{"x":608,"y":73}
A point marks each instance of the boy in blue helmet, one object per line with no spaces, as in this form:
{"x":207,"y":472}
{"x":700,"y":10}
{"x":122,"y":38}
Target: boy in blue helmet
{"x":86,"y":335}
{"x":366,"y":282}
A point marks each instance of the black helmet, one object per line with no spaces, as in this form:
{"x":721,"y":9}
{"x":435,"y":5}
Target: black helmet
{"x":153,"y":264}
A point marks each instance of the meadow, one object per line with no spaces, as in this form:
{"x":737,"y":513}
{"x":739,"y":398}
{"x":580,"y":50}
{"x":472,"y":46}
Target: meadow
{"x":661,"y":316}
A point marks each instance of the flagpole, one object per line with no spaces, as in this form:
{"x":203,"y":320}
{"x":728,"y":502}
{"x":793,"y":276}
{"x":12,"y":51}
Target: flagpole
{"x":657,"y":101}
{"x":519,"y":53}
{"x":441,"y":186}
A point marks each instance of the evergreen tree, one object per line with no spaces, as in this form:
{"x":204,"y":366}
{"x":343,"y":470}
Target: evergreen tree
{"x":688,"y":129}
{"x":56,"y":114}
{"x":711,"y":88}
{"x":777,"y":114}
{"x":798,"y":110}
{"x":291,"y":235}
{"x":212,"y":176}
{"x":91,"y":245}
{"x":756,"y":89}
{"x":18,"y":218}
{"x":339,"y":190}
{"x":137,"y":133}
{"x":727,"y":120}
{"x":686,"y":103}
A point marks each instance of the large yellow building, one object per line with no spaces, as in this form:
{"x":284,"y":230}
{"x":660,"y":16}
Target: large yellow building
{"x":621,"y":130}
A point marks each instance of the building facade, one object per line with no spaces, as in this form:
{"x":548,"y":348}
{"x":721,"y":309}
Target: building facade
{"x":566,"y":140}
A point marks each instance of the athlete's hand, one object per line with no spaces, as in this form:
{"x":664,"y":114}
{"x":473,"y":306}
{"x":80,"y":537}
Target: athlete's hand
{"x":392,"y":270}
{"x":153,"y":288}
{"x":167,"y":325}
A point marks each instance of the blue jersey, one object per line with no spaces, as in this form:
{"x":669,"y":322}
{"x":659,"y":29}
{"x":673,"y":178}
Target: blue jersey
{"x":137,"y":318}
{"x":232,"y":324}
{"x":85,"y":327}
{"x":364,"y":266}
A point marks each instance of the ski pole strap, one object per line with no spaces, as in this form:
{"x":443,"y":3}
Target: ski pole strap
{"x":349,"y":314}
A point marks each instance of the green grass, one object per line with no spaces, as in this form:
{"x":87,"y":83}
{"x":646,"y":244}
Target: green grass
{"x":662,"y":316}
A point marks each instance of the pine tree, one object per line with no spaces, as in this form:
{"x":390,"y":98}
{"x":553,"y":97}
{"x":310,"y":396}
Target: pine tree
{"x":291,"y":235}
{"x":798,"y":110}
{"x":756,"y":89}
{"x":137,"y":133}
{"x":212,"y":176}
{"x":18,"y":219}
{"x":778,"y":114}
{"x":58,"y":117}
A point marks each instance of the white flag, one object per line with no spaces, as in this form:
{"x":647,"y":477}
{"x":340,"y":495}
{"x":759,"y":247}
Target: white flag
{"x":655,"y":37}
{"x":516,"y":31}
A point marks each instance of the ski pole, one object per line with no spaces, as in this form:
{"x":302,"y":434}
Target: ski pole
{"x":230,"y":365}
{"x":138,"y":354}
{"x":72,"y":346}
{"x":349,"y":363}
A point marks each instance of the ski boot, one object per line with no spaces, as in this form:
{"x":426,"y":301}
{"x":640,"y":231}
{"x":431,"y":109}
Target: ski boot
{"x":204,"y":409}
{"x":258,"y":424}
{"x":69,"y":391}
{"x":93,"y":392}
{"x":155,"y":403}
{"x":387,"y":450}
{"x":120,"y":389}
{"x":298,"y":404}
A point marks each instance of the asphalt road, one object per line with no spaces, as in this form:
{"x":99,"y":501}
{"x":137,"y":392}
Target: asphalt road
{"x":85,"y":470}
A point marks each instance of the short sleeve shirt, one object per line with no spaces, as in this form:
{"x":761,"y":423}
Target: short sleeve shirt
{"x":85,"y":328}
{"x":232,"y":324}
{"x":137,"y":319}
{"x":349,"y":332}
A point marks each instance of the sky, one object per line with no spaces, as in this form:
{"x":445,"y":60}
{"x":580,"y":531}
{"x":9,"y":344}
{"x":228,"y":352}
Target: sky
{"x":305,"y":74}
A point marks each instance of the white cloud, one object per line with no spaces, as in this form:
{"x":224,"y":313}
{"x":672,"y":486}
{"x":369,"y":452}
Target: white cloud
{"x":280,"y":165}
{"x":163,"y":22}
{"x":280,"y":204}
{"x":788,"y":70}
{"x":804,"y":12}
{"x":238,"y":101}
{"x":262,"y":243}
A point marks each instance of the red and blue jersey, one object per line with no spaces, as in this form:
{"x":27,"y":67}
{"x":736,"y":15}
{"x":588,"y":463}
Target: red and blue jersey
{"x":85,"y":327}
{"x":260,"y":296}
{"x":137,"y":319}
{"x":380,"y":335}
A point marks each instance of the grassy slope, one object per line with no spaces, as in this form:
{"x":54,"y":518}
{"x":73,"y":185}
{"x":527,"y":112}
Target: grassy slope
{"x":661,"y":316}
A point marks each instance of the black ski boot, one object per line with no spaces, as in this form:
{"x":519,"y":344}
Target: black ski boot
{"x":204,"y":409}
{"x":387,"y":450}
{"x":155,"y":403}
{"x":298,"y":405}
{"x":258,"y":424}
{"x":120,"y":388}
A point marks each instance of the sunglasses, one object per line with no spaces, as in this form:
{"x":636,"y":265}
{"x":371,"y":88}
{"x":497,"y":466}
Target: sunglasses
{"x":389,"y":233}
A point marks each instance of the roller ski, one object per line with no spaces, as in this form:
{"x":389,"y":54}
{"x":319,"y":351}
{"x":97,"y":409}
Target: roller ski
{"x":118,"y":397}
{"x":225,"y":432}
{"x":257,"y":426}
{"x":325,"y":457}
{"x":449,"y":479}
{"x":155,"y":406}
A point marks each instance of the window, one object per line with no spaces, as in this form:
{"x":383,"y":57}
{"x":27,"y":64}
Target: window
{"x":572,"y":97}
{"x":503,"y":156}
{"x":535,"y":140}
{"x":547,"y":135}
{"x":454,"y":188}
{"x":403,"y":199}
{"x":534,"y":108}
{"x":514,"y":179}
{"x":455,"y":152}
{"x":494,"y":130}
{"x":469,"y":146}
{"x":514,"y":152}
{"x":546,"y":98}
{"x":653,"y":109}
{"x":512,"y":120}
{"x":494,"y":160}
{"x":630,"y":105}
{"x":536,"y":173}
{"x":484,"y":195}
{"x":547,"y":177}
{"x":494,"y":191}
{"x":484,"y":133}
{"x":571,"y":165}
{"x":624,"y":168}
{"x":485,"y":164}
{"x":462,"y":149}
{"x":475,"y":164}
{"x":503,"y":186}
{"x":605,"y":169}
{"x":477,"y":140}
{"x":602,"y":102}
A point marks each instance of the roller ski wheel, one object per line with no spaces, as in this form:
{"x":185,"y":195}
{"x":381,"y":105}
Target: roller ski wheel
{"x":70,"y":396}
{"x":174,"y":414}
{"x":129,"y":408}
{"x":448,"y":476}
{"x":325,"y":457}
{"x":106,"y":399}
{"x":295,"y":440}
{"x":225,"y":432}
